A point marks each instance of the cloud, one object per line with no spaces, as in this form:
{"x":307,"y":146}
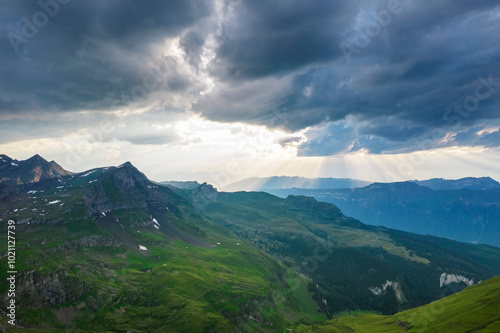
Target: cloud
{"x":94,"y":55}
{"x":278,"y":64}
{"x":398,"y":88}
{"x":262,"y":38}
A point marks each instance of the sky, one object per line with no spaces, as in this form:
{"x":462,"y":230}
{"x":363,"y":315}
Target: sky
{"x":220,"y":90}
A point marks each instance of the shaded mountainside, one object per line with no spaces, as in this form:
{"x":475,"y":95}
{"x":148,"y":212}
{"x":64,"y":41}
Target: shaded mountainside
{"x":475,"y":309}
{"x":463,"y":215}
{"x":32,"y":170}
{"x":109,"y":250}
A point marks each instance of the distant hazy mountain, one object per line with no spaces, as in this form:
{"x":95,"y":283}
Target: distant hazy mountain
{"x":464,"y":215}
{"x":181,"y":184}
{"x":284,"y":182}
{"x":31,"y":170}
{"x":469,"y":183}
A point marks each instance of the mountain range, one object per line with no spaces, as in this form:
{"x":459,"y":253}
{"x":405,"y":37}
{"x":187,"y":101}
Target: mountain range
{"x":109,"y":250}
{"x":462,"y":214}
{"x":468,"y":183}
{"x":284,"y":182}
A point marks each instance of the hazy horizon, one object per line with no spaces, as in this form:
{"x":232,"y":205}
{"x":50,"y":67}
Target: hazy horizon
{"x":221,"y":89}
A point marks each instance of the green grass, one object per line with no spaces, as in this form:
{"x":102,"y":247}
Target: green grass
{"x":475,"y":309}
{"x":173,"y":286}
{"x":231,"y":267}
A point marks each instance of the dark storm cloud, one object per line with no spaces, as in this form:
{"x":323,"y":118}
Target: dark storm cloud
{"x":398,"y":85}
{"x":88,"y":53}
{"x":262,"y":38}
{"x":380,"y":75}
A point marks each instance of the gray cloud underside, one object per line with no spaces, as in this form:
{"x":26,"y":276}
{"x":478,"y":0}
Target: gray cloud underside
{"x":277,"y":63}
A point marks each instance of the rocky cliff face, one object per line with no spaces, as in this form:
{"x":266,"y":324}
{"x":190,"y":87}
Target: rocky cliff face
{"x":8,"y":191}
{"x":120,"y":189}
{"x":203,"y":195}
{"x":10,"y":195}
{"x":51,"y":290}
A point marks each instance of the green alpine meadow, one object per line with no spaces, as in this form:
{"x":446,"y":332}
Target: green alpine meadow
{"x":108,"y":250}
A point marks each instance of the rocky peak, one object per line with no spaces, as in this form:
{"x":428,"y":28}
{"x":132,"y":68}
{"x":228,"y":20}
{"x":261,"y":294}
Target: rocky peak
{"x":205,"y":187}
{"x":202,"y":195}
{"x":5,"y":158}
{"x":32,"y":170}
{"x":133,"y":172}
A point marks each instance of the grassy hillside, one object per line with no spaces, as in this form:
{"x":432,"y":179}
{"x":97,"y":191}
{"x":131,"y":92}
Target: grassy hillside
{"x":475,"y":309}
{"x":344,"y":258}
{"x":107,"y":250}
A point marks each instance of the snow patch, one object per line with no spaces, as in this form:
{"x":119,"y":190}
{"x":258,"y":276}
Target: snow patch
{"x":54,"y":202}
{"x":88,"y":173}
{"x":446,"y":279}
{"x":14,"y":164}
{"x":157,"y":227}
{"x":379,"y":290}
{"x":143,"y":248}
{"x":103,"y":213}
{"x":32,"y":192}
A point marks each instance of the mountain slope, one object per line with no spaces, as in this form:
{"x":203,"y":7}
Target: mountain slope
{"x":463,"y":215}
{"x":316,"y":239}
{"x":108,"y":250}
{"x":475,"y":309}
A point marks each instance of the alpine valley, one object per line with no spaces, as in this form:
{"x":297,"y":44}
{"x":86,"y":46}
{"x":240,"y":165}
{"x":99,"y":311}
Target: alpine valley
{"x":108,"y":250}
